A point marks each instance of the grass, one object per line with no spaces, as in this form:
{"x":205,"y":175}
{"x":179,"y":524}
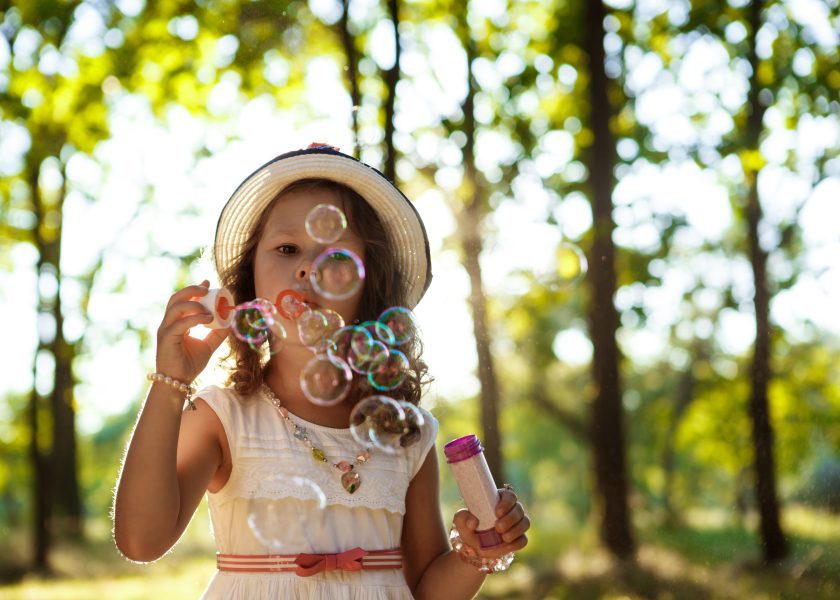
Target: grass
{"x":706,"y":558}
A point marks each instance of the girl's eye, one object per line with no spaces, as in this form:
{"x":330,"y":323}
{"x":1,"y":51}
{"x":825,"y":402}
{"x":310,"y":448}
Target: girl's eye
{"x":286,"y":249}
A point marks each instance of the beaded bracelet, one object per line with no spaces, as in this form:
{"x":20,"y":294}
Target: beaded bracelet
{"x":186,"y":388}
{"x":469,"y":555}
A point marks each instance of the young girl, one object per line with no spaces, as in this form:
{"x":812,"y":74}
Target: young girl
{"x":370,"y":520}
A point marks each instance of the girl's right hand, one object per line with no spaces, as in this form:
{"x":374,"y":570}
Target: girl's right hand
{"x":178,"y":355}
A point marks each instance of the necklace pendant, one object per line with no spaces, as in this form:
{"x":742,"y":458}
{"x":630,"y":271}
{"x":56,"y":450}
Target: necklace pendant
{"x":351,"y":481}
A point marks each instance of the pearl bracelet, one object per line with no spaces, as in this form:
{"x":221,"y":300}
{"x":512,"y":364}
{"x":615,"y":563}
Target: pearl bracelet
{"x":469,"y":555}
{"x":186,"y":388}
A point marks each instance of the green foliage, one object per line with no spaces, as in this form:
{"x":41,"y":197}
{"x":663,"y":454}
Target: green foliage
{"x":822,"y":488}
{"x":179,"y":54}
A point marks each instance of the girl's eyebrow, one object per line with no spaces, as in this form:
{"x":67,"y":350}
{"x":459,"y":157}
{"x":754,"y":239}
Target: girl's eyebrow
{"x":282,"y":230}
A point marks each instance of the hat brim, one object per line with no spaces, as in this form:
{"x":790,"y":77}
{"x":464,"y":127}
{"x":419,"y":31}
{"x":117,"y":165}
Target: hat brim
{"x":403,"y":225}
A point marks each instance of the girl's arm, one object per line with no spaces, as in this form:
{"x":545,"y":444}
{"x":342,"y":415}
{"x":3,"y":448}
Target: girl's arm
{"x":431,"y":568}
{"x":171,"y":460}
{"x":173,"y":456}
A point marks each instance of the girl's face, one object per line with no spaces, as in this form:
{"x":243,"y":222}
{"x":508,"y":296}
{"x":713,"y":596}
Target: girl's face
{"x":285,"y":252}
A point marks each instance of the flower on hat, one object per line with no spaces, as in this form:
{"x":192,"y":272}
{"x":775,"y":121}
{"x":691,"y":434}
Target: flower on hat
{"x":321,"y":146}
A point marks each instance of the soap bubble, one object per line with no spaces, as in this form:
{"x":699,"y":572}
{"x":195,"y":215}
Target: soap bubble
{"x":325,"y":380}
{"x":391,"y":373}
{"x":334,"y":321}
{"x":277,"y":339}
{"x":312,"y":328}
{"x":255,"y":322}
{"x":375,"y":356}
{"x":401,"y":322}
{"x":374,"y":419}
{"x":274,"y":509}
{"x":380,"y":331}
{"x":414,"y":421}
{"x":349,"y":339}
{"x":337,"y":273}
{"x":570,"y":265}
{"x":316,"y":327}
{"x":325,"y":223}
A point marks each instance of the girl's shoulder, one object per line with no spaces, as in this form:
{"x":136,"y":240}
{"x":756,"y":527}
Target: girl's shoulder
{"x":233,"y":409}
{"x":217,"y":394}
{"x":428,"y":434}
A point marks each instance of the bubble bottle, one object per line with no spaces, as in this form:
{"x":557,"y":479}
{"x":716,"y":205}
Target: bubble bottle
{"x":466,"y":458}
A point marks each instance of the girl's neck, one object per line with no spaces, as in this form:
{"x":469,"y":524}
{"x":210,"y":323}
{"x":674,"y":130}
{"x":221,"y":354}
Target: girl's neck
{"x":282,"y":375}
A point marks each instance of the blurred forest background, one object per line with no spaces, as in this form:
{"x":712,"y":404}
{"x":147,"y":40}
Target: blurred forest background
{"x":671,"y":419}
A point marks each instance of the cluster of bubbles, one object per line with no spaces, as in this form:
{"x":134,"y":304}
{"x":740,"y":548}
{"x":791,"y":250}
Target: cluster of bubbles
{"x":372,"y":350}
{"x":371,"y":353}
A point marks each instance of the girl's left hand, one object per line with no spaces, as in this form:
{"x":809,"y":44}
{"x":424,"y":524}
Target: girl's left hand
{"x":511,"y":524}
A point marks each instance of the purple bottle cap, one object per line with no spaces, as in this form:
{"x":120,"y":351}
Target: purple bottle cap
{"x":462,"y":448}
{"x":489,"y":538}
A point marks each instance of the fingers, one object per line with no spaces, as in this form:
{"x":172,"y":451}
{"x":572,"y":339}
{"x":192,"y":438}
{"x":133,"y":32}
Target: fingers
{"x":181,"y":306}
{"x":510,"y":518}
{"x":187,"y":322}
{"x":512,"y":521}
{"x":515,"y":545}
{"x":181,"y":316}
{"x":465,"y":521}
{"x":511,"y":527}
{"x":516,"y":531}
{"x":191,"y":291}
{"x":507,"y":500}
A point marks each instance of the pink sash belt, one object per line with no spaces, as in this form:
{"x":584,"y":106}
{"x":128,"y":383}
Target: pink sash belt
{"x":305,"y":565}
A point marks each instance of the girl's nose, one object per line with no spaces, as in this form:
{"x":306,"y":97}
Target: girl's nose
{"x":303,"y":271}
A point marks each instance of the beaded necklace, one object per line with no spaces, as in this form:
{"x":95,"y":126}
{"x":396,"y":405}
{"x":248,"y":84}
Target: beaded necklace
{"x":350,"y":478}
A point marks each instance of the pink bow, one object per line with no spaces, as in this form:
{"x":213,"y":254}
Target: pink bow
{"x":309,"y":564}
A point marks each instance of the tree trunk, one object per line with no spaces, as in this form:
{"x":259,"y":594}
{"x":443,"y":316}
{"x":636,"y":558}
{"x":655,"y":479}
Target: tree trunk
{"x":471,"y":244}
{"x":774,"y":544}
{"x":67,"y":506}
{"x":392,"y":77}
{"x":41,"y":538}
{"x":608,"y":441}
{"x":349,"y":43}
{"x":470,"y":221}
{"x":41,"y":499}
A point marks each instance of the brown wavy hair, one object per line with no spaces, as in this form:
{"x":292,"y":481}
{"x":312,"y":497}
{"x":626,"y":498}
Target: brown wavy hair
{"x":383,"y":288}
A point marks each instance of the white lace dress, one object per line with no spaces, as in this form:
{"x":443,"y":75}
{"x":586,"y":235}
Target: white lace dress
{"x":268,"y":505}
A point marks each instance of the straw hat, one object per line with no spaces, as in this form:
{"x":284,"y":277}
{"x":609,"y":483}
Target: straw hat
{"x":403,"y":226}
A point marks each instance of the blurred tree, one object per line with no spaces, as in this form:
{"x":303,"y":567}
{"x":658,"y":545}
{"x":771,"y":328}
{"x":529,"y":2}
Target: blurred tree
{"x":348,"y":41}
{"x":560,"y":110}
{"x":608,"y":437}
{"x":774,"y":544}
{"x":392,"y":78}
{"x":471,"y":213}
{"x":53,"y":91}
{"x":788,"y":77}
